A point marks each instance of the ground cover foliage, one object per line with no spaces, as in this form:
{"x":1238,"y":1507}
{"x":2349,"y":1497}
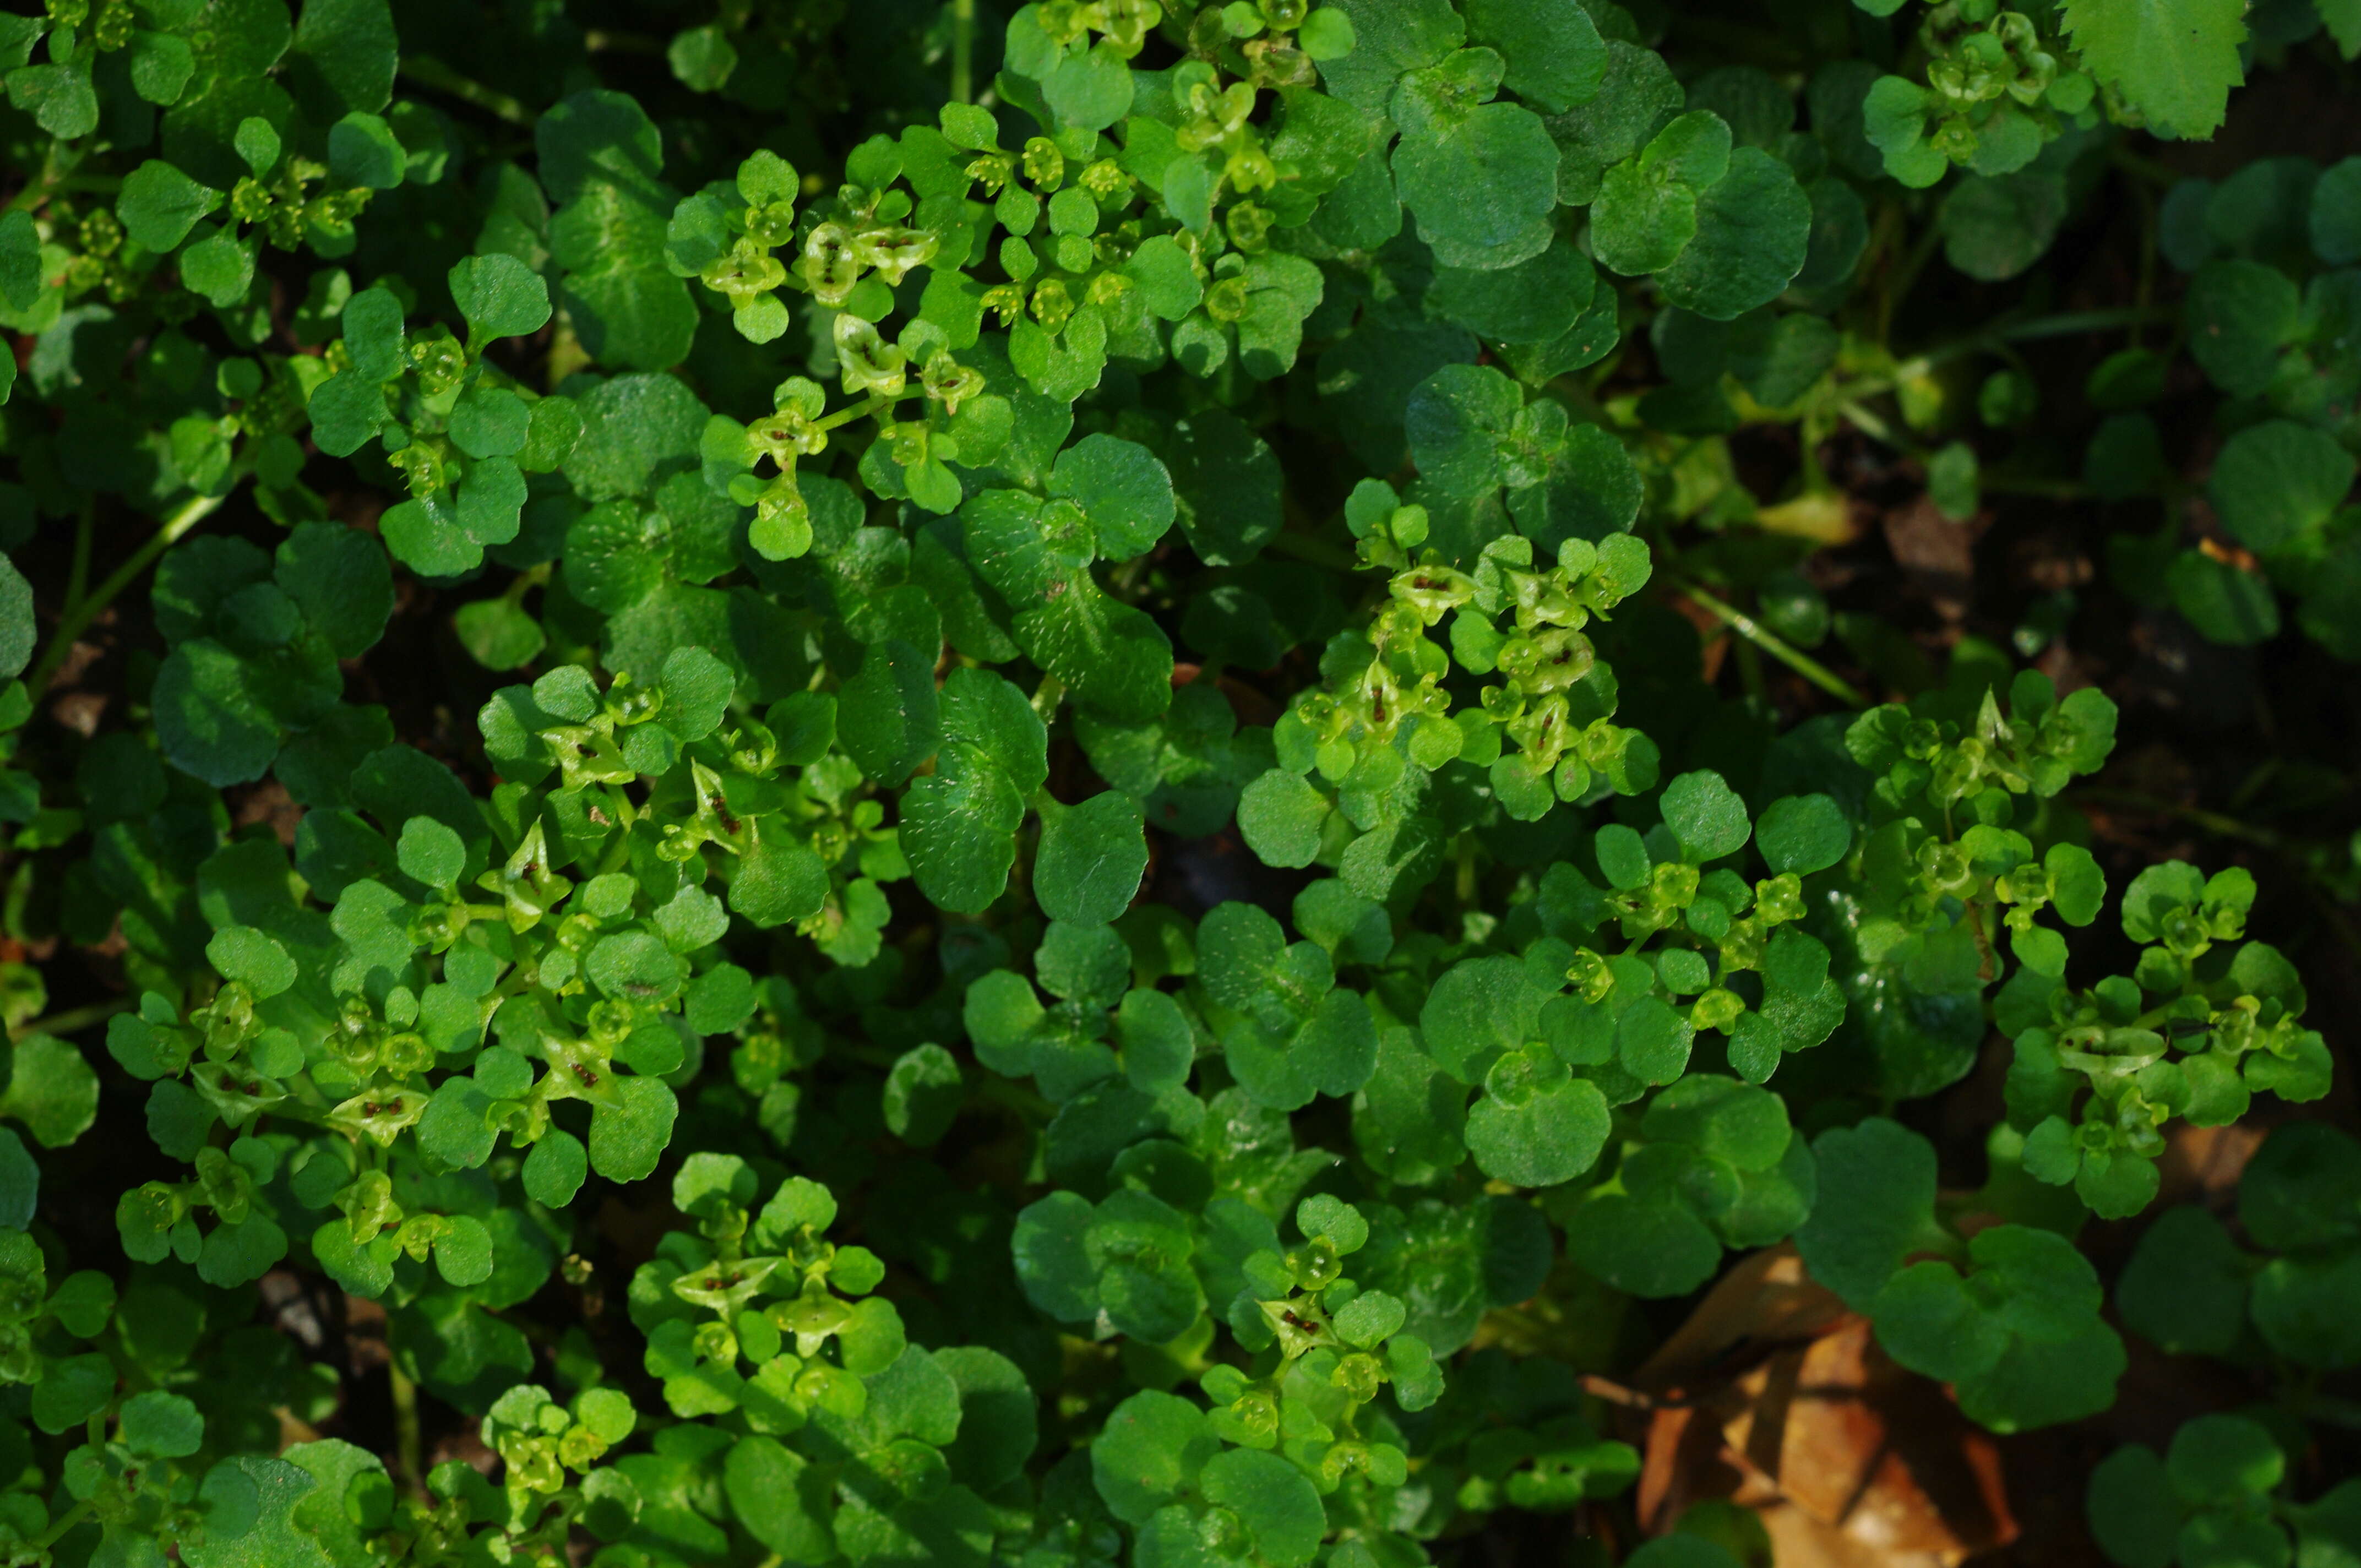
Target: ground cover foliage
{"x":1118,"y":781}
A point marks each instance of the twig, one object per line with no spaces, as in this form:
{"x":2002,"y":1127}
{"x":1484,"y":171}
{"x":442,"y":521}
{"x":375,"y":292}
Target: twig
{"x":1633,"y":1398}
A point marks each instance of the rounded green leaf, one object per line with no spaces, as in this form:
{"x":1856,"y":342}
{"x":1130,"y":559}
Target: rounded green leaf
{"x":2133,"y":1513}
{"x":255,"y":959}
{"x":1121,"y":487}
{"x":463,"y":1253}
{"x":780,"y":877}
{"x":1651,"y":1244}
{"x":500,"y":296}
{"x":1536,"y":1125}
{"x":1534,"y":301}
{"x":1803,"y":833}
{"x":158,"y":204}
{"x":923,"y":1090}
{"x":554,"y":1170}
{"x":1735,"y":1122}
{"x":1706,"y":814}
{"x":628,"y":1136}
{"x":1994,"y":227}
{"x":1227,"y":484}
{"x":1753,"y":232}
{"x":2223,"y":1460}
{"x":767,"y":1485}
{"x":1272,"y":1498}
{"x":1483,"y":187}
{"x":1281,"y":815}
{"x":1554,"y":55}
{"x":636,"y":966}
{"x":2277,"y":481}
{"x":159,"y":1425}
{"x":20,"y":1182}
{"x":2302,"y":1308}
{"x":51,"y":1088}
{"x":1153,"y":1446}
{"x":1091,"y":859}
{"x":1877,"y":1204}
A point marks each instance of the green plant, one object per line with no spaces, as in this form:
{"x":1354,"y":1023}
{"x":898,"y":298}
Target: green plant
{"x":936,"y":815}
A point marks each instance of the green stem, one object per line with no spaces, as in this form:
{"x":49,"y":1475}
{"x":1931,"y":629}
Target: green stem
{"x":526,"y":581}
{"x":2147,"y":169}
{"x":2213,"y":822}
{"x":1770,"y":642}
{"x":1869,"y":423}
{"x":2055,"y":489}
{"x":1750,"y":672}
{"x":2329,"y":1408}
{"x":2067,"y":324}
{"x":1890,"y":296}
{"x":39,"y":186}
{"x":962,"y":51}
{"x":608,"y":40}
{"x":429,"y":72}
{"x":81,"y":613}
{"x":78,"y":579}
{"x":1319,"y":552}
{"x":2144,"y":294}
{"x":406,"y":1447}
{"x":74,"y":1020}
{"x":1125,"y":583}
{"x":873,"y":403}
{"x":2325,"y":895}
{"x":64,"y":1522}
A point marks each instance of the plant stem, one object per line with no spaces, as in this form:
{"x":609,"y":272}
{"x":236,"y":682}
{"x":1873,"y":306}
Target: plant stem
{"x":406,"y":1453}
{"x":429,"y":72}
{"x":1750,"y":672}
{"x":78,"y":579}
{"x":1890,"y":296}
{"x":73,"y":1019}
{"x":1304,"y":547}
{"x":64,"y":1523}
{"x":80,"y":613}
{"x":2147,"y":169}
{"x":2290,"y":853}
{"x":2056,"y":490}
{"x":1869,"y":423}
{"x":2066,"y":323}
{"x":1770,"y":642}
{"x":962,"y":51}
{"x":875,"y":402}
{"x":2144,"y":294}
{"x":607,"y":40}
{"x":2212,"y":822}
